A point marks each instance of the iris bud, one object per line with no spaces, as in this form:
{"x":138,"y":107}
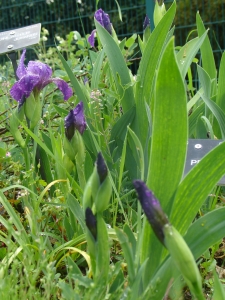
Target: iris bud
{"x":159,"y":12}
{"x":33,"y":108}
{"x":104,"y":186}
{"x":183,"y":259}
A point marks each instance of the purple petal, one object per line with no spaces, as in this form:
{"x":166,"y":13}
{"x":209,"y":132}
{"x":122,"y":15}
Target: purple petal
{"x":75,"y":120}
{"x":42,"y":70}
{"x":103,"y":19}
{"x":98,"y":16}
{"x":85,"y":80}
{"x":69,"y":125}
{"x":152,"y":209}
{"x":91,"y":39}
{"x":80,"y":122}
{"x":21,"y":70}
{"x":24,"y":87}
{"x":16,"y":92}
{"x":62,"y":86}
{"x":106,"y":22}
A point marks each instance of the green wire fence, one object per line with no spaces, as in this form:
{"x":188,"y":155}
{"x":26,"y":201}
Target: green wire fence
{"x":62,"y":16}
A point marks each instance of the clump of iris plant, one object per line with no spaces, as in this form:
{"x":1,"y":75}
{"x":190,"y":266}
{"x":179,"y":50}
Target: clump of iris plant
{"x":34,"y":78}
{"x":170,"y":238}
{"x":102,"y":19}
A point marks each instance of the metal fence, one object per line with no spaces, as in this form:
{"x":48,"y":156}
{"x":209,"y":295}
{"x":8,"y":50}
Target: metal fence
{"x":63,"y":16}
{"x":213,"y":16}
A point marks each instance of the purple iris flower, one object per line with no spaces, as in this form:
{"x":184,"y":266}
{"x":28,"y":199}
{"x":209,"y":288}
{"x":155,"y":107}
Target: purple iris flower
{"x":34,"y":78}
{"x":152,"y":209}
{"x":102,"y":19}
{"x":101,"y":168}
{"x":91,"y":38}
{"x":75,"y":120}
{"x":146,"y":22}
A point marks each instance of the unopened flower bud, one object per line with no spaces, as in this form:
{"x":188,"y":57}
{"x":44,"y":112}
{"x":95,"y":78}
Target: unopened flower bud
{"x":104,"y":189}
{"x":91,"y":222}
{"x":159,"y":11}
{"x":183,"y":259}
{"x":152,"y":209}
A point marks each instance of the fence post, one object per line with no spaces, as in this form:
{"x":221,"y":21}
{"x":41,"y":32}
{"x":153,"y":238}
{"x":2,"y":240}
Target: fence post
{"x":150,"y":4}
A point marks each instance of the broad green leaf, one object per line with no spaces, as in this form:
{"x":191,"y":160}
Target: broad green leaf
{"x":96,"y":70}
{"x":76,"y":209}
{"x":47,"y":141}
{"x":137,"y":152}
{"x":147,"y":70}
{"x":217,"y":112}
{"x":168,"y":145}
{"x":196,"y":186}
{"x":201,"y":132}
{"x":207,"y":56}
{"x":152,"y":54}
{"x":219,"y":292}
{"x":45,"y":167}
{"x":193,"y":118}
{"x":206,"y":231}
{"x":131,"y":238}
{"x":220,"y":99}
{"x":122,"y":163}
{"x":127,"y":252}
{"x":169,"y":132}
{"x":208,"y":126}
{"x":118,"y":280}
{"x":61,"y":111}
{"x":193,"y":100}
{"x":187,"y":53}
{"x":141,"y":44}
{"x":135,"y":288}
{"x":2,"y":152}
{"x":118,"y":67}
{"x":205,"y":81}
{"x":102,"y":250}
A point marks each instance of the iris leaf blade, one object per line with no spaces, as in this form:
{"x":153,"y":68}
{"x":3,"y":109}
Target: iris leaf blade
{"x":168,"y":144}
{"x":118,"y":67}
